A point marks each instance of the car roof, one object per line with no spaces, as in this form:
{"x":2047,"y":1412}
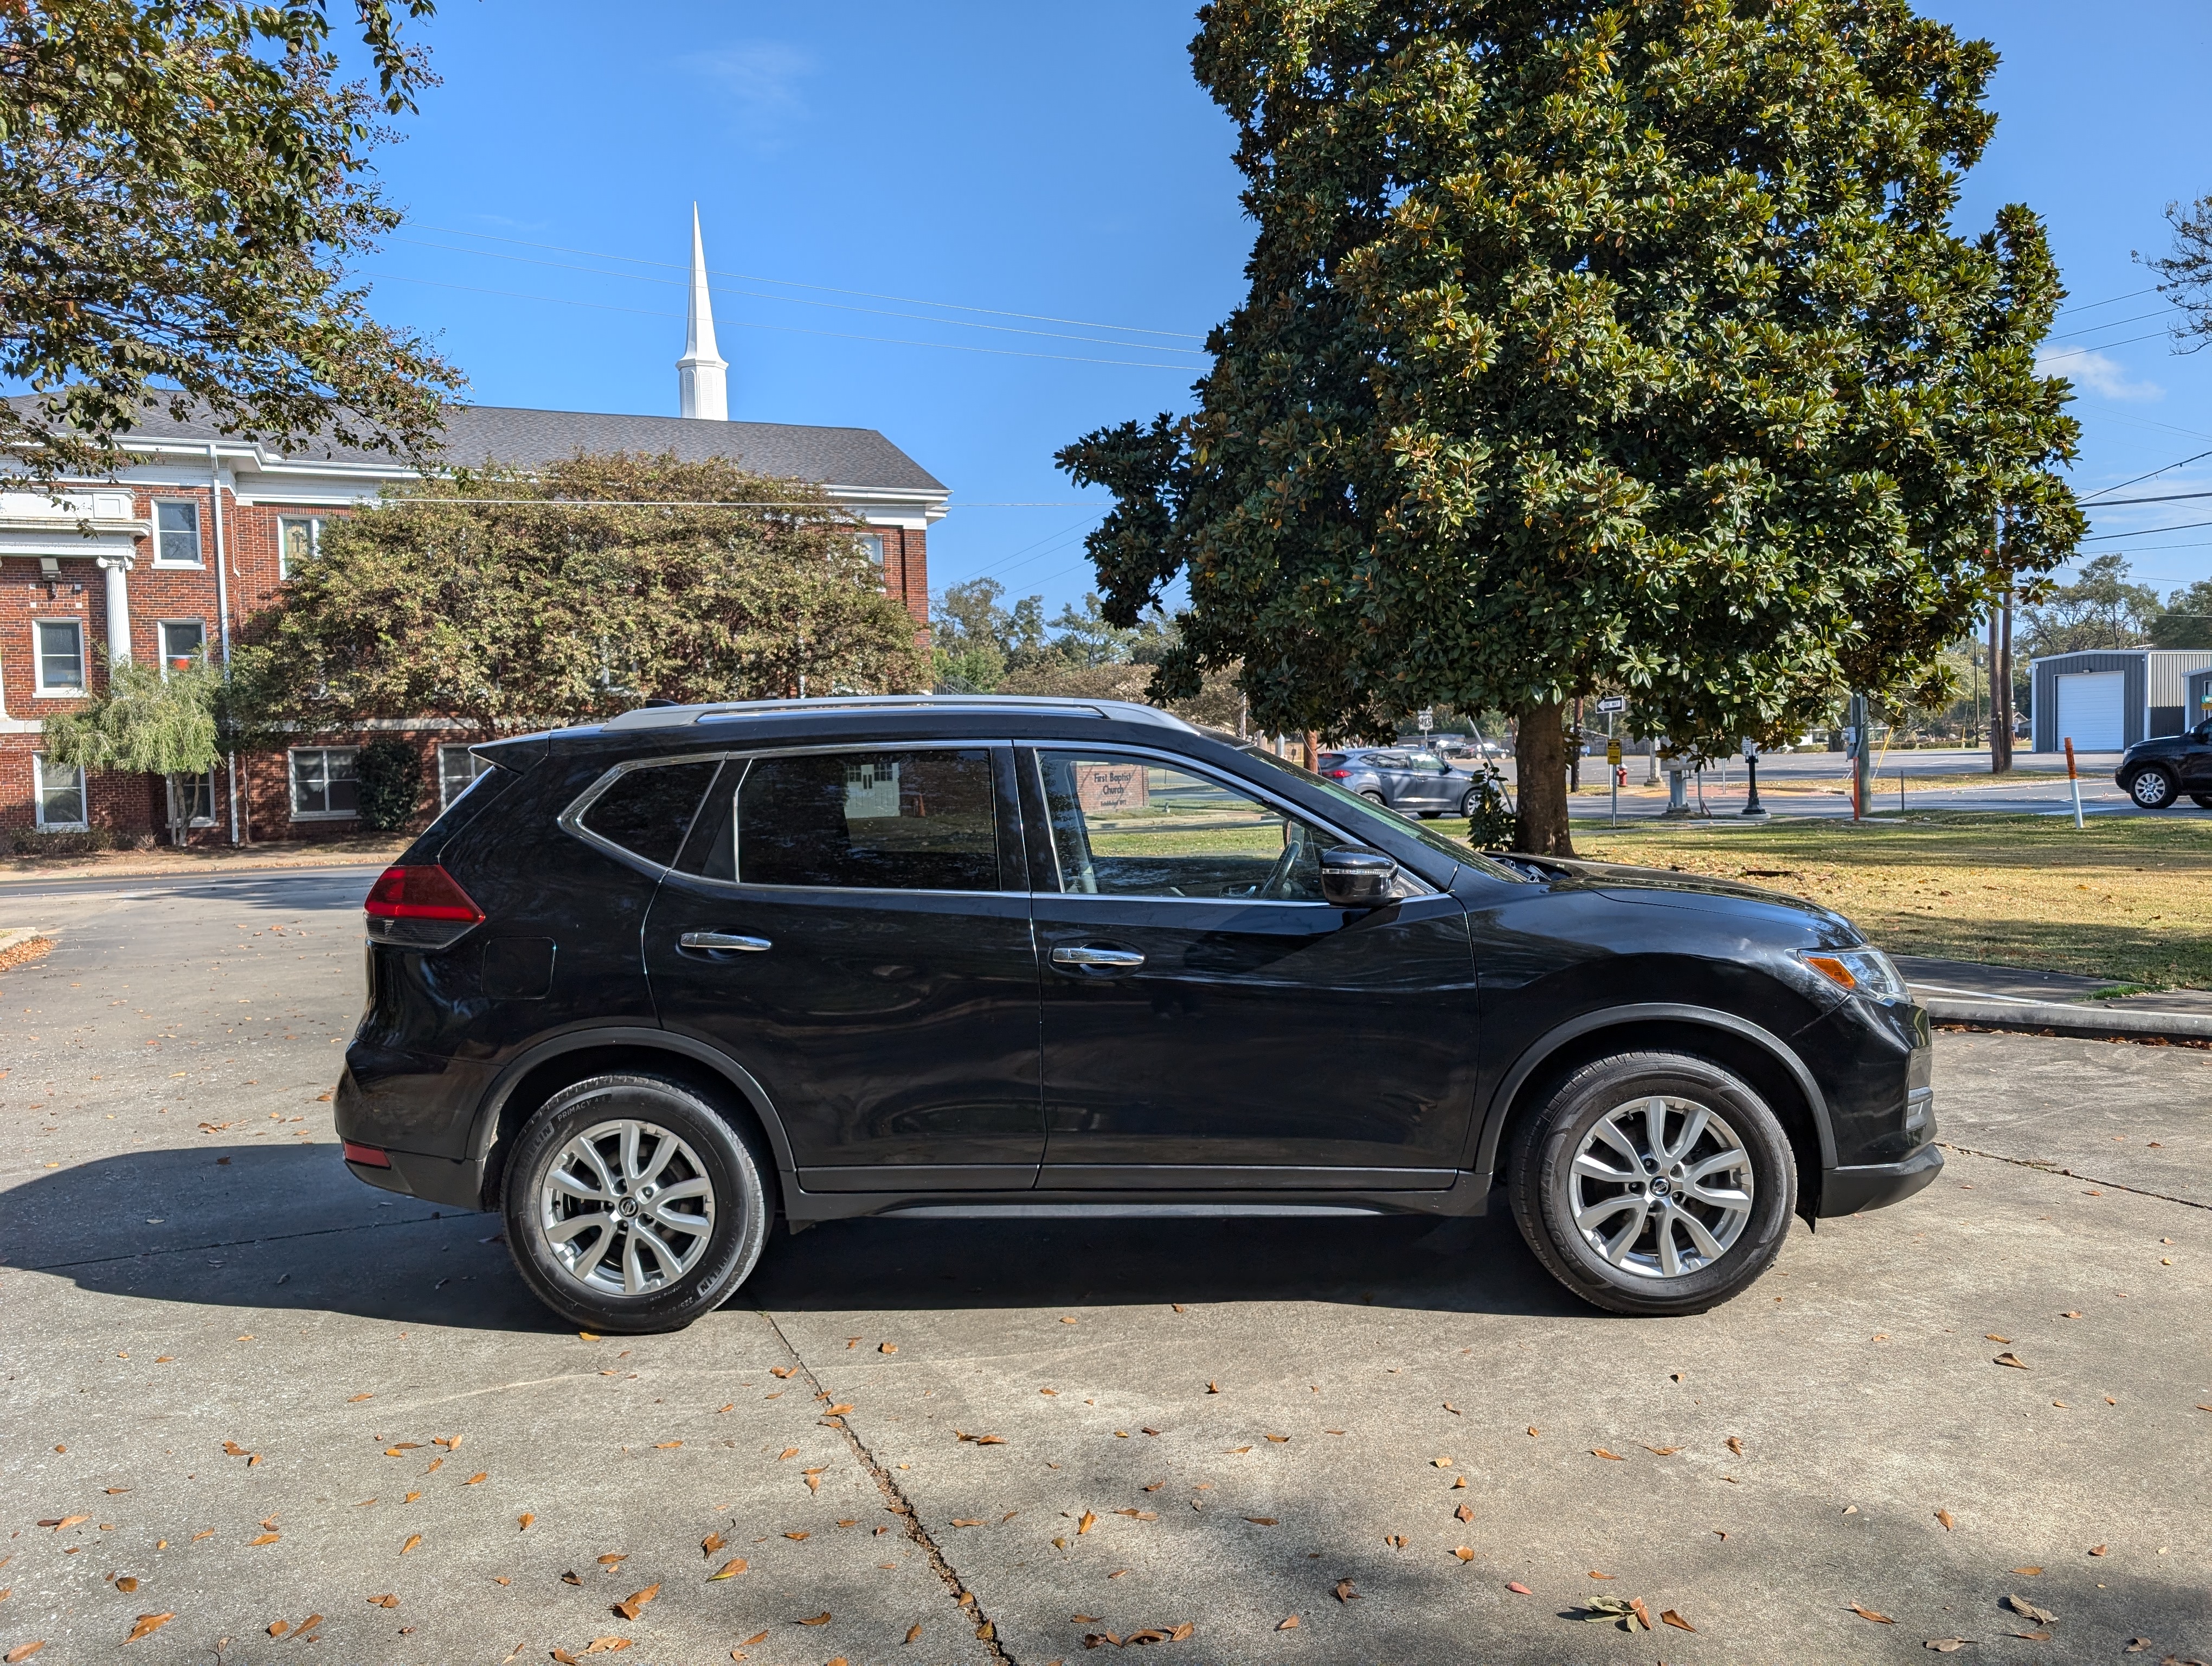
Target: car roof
{"x":656,"y":717}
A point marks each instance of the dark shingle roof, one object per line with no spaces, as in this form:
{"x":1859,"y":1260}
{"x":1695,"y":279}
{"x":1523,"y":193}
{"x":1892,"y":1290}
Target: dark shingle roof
{"x":477,"y":434}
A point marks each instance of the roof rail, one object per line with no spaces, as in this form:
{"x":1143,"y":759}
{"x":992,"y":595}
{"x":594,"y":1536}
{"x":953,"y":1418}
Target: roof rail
{"x":670,"y":717}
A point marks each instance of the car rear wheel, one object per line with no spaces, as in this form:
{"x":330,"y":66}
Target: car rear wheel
{"x":1654,"y":1183}
{"x":1376,"y":798}
{"x":2153,"y":788}
{"x":1469,"y":801}
{"x":632,"y":1205}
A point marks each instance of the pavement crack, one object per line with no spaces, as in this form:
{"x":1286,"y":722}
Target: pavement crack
{"x":2041,"y":1167}
{"x":964,"y":1600}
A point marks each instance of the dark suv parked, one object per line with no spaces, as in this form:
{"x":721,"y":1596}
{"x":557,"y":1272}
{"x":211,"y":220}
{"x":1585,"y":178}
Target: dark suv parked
{"x":2157,"y":771}
{"x":650,"y":986}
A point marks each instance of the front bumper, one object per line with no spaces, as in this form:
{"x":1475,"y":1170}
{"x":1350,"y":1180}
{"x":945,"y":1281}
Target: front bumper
{"x":1848,"y":1191}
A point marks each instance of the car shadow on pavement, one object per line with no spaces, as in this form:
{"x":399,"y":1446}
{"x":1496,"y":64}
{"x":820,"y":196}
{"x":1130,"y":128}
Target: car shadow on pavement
{"x":286,"y":1226}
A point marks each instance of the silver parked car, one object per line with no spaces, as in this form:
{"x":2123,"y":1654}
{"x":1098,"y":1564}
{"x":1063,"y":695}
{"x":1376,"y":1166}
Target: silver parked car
{"x":1411,"y":782}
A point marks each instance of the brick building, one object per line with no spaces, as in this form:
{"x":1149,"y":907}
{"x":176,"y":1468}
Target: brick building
{"x":197,"y":533}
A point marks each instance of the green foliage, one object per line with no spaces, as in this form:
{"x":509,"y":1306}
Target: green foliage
{"x":142,"y":722}
{"x":2101,"y":608}
{"x":565,"y":608}
{"x":1491,"y":827}
{"x":1596,"y":346}
{"x":184,"y":184}
{"x":977,"y":643}
{"x":389,"y":774}
{"x":2186,"y":621}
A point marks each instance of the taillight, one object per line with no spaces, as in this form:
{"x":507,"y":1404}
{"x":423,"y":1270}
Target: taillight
{"x":1337,"y":775}
{"x":421,"y":892}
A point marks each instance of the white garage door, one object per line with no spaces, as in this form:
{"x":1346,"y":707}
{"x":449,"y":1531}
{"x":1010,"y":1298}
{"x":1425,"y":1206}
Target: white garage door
{"x":2092,"y":707}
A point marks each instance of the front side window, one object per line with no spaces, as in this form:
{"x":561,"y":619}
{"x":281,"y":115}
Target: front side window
{"x":323,"y":782}
{"x":869,"y":820}
{"x":457,"y":767}
{"x":176,"y":534}
{"x":60,"y":792}
{"x":181,"y":639}
{"x":299,"y":541}
{"x":60,"y":656}
{"x":1132,"y":827}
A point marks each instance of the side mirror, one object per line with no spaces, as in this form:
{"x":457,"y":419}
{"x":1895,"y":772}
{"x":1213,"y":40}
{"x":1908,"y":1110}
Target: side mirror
{"x":1352,"y":878}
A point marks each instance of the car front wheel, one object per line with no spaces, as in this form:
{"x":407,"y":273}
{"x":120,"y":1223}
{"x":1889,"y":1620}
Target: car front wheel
{"x":1654,"y":1183}
{"x":632,"y":1205}
{"x":2153,"y":788}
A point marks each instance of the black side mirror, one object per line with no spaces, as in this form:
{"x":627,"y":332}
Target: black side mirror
{"x":1352,"y":878}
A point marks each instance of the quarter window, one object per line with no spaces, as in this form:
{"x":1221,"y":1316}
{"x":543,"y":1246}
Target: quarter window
{"x":60,"y":656}
{"x":181,"y":639}
{"x":872,"y":820}
{"x":1129,"y":827}
{"x":646,"y":811}
{"x":60,"y":794}
{"x":176,"y":534}
{"x":299,"y":541}
{"x":323,"y":784}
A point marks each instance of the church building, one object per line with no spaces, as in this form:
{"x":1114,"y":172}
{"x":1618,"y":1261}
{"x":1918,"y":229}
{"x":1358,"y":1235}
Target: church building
{"x":200,"y":531}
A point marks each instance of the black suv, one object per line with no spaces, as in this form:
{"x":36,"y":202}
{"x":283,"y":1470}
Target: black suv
{"x":2157,"y":771}
{"x":647,"y":987}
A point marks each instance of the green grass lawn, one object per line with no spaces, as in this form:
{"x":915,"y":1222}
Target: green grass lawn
{"x":2127,"y":897}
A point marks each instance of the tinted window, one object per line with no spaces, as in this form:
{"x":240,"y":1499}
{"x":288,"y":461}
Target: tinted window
{"x":872,"y":820}
{"x":1126,"y":827}
{"x":647,"y":811}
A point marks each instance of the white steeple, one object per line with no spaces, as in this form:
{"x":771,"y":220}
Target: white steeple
{"x":701,"y":385}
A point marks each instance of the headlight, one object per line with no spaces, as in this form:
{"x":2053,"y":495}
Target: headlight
{"x":1863,"y":971}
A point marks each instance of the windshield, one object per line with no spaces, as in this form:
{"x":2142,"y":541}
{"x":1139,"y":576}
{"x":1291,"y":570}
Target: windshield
{"x":1359,"y":811}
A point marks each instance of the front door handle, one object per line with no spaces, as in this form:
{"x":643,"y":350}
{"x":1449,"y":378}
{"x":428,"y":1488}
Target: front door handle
{"x":723,"y":940}
{"x":1095,"y":958}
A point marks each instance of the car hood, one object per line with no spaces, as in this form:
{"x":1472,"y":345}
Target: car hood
{"x":1656,"y":887}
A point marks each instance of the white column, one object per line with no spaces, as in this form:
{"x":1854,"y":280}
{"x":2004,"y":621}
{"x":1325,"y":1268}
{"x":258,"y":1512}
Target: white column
{"x":118,"y":606}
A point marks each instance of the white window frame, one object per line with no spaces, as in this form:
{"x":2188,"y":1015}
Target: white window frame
{"x":42,"y":688}
{"x":161,"y":534}
{"x":284,"y":525}
{"x":162,"y":630}
{"x":170,"y":787}
{"x":476,"y":767}
{"x":872,"y":543}
{"x":39,"y":769}
{"x":292,"y":784}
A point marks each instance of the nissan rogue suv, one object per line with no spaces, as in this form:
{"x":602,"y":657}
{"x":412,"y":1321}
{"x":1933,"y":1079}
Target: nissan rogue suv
{"x":652,"y":986}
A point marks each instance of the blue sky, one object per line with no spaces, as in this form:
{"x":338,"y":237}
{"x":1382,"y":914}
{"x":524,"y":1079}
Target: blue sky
{"x":987,"y":228}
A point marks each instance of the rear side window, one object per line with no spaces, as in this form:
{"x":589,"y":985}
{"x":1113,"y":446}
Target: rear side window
{"x":648,"y":811}
{"x":869,"y":820}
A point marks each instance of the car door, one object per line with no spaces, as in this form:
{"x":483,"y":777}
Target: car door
{"x":1390,"y":772}
{"x":851,"y":925}
{"x":2195,"y":760}
{"x":1429,"y":783}
{"x":1208,"y":1021}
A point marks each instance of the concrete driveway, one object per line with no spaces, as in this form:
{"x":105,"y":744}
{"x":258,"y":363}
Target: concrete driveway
{"x":302,"y":1419}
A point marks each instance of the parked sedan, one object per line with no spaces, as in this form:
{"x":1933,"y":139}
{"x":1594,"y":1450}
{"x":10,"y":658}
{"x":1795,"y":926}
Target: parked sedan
{"x":2155,"y":772}
{"x":1414,"y":783}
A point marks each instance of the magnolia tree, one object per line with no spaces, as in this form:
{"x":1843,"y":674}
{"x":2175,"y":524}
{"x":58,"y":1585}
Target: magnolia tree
{"x":507,"y":601}
{"x":1596,"y":346}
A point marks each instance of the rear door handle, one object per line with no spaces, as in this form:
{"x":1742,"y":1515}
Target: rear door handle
{"x":723,"y":940}
{"x":1091,"y":957}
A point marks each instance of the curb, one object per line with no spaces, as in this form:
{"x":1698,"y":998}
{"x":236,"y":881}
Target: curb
{"x":2061,"y":1019}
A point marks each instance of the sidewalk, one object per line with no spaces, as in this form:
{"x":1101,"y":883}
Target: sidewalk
{"x":167,"y":863}
{"x":2060,"y":1003}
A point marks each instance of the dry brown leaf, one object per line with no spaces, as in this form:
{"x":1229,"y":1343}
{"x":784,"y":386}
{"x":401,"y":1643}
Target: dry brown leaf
{"x":913,"y":1632}
{"x":386,"y":1601}
{"x":389,"y":1451}
{"x":436,"y":1464}
{"x":1642,"y":1614}
{"x":630,"y":1605}
{"x":795,"y":1537}
{"x":572,"y":1577}
{"x":1277,"y":1439}
{"x":1396,"y":1541}
{"x":711,"y":1543}
{"x":1289,"y":1624}
{"x":1948,"y":1520}
{"x":962,"y":1521}
{"x":1669,"y":1617}
{"x":146,"y":1624}
{"x":1464,"y":1554}
{"x":234,"y":1449}
{"x":1262,"y":1521}
{"x":481,"y":1476}
{"x":358,"y":1398}
{"x":781,"y":1372}
{"x":1532,"y":1432}
{"x":1662,"y":1451}
{"x":1440,"y":1463}
{"x":1865,"y":1613}
{"x":1594,"y":1574}
{"x":1613,"y":1458}
{"x":838,"y":1410}
{"x":1518,"y":1589}
{"x":522,"y":1522}
{"x":1234,"y":1451}
{"x":1464,"y":1513}
{"x":1947,"y":1645}
{"x":2021,"y":1606}
{"x":413,"y":1539}
{"x":1084,"y":1522}
{"x":265,"y":1539}
{"x":1213,"y":1388}
{"x":128,"y":1581}
{"x":666,"y":1445}
{"x":813,"y":1479}
{"x":2031,"y":1572}
{"x":613,"y":1557}
{"x":1991,"y":1336}
{"x":564,"y":1658}
{"x":788,"y":1452}
{"x":22,"y":1651}
{"x":755,"y":1640}
{"x":278,"y":1627}
{"x":2096,"y":1550}
{"x":2012,"y":1359}
{"x":729,"y":1570}
{"x":821,"y":1619}
{"x":1734,"y":1443}
{"x":606,"y":1645}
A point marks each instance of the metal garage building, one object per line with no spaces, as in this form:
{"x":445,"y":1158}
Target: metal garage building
{"x":2200,"y":697}
{"x":2111,"y":698}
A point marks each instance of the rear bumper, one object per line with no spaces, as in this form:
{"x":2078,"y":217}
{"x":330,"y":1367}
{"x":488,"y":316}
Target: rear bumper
{"x":1848,"y":1191}
{"x":458,"y":1185}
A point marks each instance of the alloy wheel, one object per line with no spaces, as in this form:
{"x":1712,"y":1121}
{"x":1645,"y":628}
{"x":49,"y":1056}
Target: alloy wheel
{"x":626,"y":1207}
{"x":1660,"y":1187}
{"x":2151,"y":789}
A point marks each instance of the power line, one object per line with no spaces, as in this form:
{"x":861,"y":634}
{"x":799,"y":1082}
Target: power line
{"x":2109,"y":301}
{"x":2090,"y":329}
{"x":799,"y":300}
{"x":786,"y":329}
{"x":825,"y":288}
{"x":2168,"y":497}
{"x":2147,"y":531}
{"x":2076,"y":352}
{"x":2139,"y":478}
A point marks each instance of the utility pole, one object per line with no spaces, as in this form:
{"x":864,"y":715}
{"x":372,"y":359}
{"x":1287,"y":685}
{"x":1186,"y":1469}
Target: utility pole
{"x":2001,"y":666}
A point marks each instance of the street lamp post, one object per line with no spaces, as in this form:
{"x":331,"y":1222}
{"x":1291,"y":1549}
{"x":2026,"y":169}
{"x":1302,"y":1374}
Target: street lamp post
{"x":1752,"y":805}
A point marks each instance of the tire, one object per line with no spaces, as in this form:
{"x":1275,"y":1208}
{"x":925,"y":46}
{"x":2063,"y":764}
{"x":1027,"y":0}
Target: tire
{"x":1469,"y":802}
{"x":1634,"y":1278}
{"x":1376,"y":798}
{"x":2153,"y":786}
{"x":630,"y":1287}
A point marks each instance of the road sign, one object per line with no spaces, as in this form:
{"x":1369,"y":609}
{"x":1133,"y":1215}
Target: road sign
{"x":1611,"y":703}
{"x":1612,"y":753}
{"x":1426,"y":718}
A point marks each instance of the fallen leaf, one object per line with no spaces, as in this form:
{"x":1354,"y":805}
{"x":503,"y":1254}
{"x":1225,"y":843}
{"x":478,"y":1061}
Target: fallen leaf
{"x":564,"y":1658}
{"x":1611,"y":1457}
{"x":386,"y":1601}
{"x":572,"y":1577}
{"x":781,"y":1372}
{"x":1668,"y":1616}
{"x":358,"y":1398}
{"x":662,"y":1445}
{"x":234,"y":1449}
{"x":2045,"y":1636}
{"x":839,"y":1410}
{"x":2012,"y":1359}
{"x":1464,"y":1513}
{"x":587,"y":1335}
{"x":614,"y":1557}
{"x":1182,"y":1632}
{"x":813,"y":1479}
{"x":1277,"y":1439}
{"x":1518,"y":1589}
{"x":1345,"y":1593}
{"x":128,"y":1582}
{"x":1594,"y":1574}
{"x":756,"y":1638}
{"x":2096,"y":1550}
{"x":278,"y":1627}
{"x":959,"y":1520}
{"x":22,"y":1651}
{"x":1642,"y":1614}
{"x":913,"y":1632}
{"x":1947,"y":1645}
{"x":1084,"y":1522}
{"x":265,"y":1539}
{"x":2021,"y":1606}
{"x":1441,"y":1463}
{"x":1948,"y":1520}
{"x":1734,"y":1443}
{"x":1864,"y":1612}
{"x":711,"y":1543}
{"x":1262,"y":1521}
{"x":729,"y":1570}
{"x":1464,"y":1554}
{"x":1532,"y":1432}
{"x":522,"y":1522}
{"x":73,"y":1521}
{"x":821,"y":1619}
{"x":1991,"y":1336}
{"x":1289,"y":1624}
{"x":148,"y":1624}
{"x":2138,"y":1646}
{"x":481,"y":1475}
{"x":2032,"y":1572}
{"x":630,"y":1605}
{"x":1396,"y":1541}
{"x":606,"y":1645}
{"x":1662,"y":1451}
{"x":795,"y":1537}
{"x":413,"y":1539}
{"x":1213,"y":1388}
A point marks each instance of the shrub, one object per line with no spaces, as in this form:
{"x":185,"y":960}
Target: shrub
{"x":1491,"y":826}
{"x":391,"y":776}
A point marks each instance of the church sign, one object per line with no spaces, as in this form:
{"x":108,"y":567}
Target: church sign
{"x":1107,"y":788}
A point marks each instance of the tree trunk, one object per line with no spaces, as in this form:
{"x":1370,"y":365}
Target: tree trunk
{"x":1540,"y":759}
